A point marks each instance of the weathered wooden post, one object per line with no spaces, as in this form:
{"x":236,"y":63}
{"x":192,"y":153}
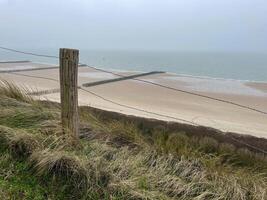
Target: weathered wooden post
{"x":69,"y":59}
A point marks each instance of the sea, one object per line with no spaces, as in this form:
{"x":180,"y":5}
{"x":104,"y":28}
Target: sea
{"x":218,"y":65}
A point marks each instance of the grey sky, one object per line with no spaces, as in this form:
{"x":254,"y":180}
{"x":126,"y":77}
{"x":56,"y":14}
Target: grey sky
{"x":198,"y":25}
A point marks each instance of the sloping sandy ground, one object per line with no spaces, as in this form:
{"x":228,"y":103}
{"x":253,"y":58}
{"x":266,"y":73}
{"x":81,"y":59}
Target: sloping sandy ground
{"x":161,"y":102}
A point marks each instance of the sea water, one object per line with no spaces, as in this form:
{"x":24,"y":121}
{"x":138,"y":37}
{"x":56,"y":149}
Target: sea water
{"x":225,"y":65}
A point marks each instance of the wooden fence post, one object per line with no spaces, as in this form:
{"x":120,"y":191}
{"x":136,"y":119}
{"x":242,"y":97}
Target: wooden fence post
{"x":68,"y":72}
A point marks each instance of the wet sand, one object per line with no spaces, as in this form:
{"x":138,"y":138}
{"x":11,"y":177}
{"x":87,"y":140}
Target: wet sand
{"x":161,"y":102}
{"x":258,"y":86}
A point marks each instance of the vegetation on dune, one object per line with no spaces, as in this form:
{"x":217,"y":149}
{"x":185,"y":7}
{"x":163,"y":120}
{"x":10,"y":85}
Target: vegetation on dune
{"x":115,"y":159}
{"x":9,"y":89}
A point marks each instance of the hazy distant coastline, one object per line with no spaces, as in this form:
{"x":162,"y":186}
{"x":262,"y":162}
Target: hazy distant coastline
{"x":232,"y":66}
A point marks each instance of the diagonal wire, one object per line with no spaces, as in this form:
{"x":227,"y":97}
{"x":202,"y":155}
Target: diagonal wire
{"x":167,"y":87}
{"x":147,"y":82}
{"x":183,"y":91}
{"x":157,"y":114}
{"x":27,"y":53}
{"x":109,"y":100}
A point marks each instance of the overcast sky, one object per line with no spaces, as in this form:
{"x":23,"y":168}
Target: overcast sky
{"x":184,"y":25}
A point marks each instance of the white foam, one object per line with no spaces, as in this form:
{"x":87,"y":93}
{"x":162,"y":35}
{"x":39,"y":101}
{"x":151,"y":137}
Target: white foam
{"x":212,"y":78}
{"x":226,"y":86}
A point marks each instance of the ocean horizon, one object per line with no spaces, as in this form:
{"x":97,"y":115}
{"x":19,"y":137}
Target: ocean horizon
{"x":218,"y":65}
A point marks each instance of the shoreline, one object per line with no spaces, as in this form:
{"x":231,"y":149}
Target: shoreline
{"x":185,"y":75}
{"x":216,"y":78}
{"x":144,"y":96}
{"x":139,"y":71}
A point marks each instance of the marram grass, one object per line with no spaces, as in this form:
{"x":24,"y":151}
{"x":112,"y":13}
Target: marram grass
{"x":11,"y":90}
{"x":116,"y":160}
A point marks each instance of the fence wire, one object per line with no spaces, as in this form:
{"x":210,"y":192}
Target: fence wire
{"x":147,"y":82}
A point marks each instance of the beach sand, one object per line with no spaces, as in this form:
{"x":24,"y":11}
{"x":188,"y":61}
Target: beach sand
{"x":162,"y":103}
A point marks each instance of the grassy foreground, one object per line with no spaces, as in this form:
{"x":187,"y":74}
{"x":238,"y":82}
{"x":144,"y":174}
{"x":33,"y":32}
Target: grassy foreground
{"x":115,"y":159}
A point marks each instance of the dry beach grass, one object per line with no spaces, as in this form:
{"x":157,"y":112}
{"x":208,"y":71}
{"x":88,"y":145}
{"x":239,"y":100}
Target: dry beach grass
{"x":115,"y":159}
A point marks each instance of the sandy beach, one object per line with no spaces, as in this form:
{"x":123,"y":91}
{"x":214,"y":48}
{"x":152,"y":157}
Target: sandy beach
{"x":161,"y":103}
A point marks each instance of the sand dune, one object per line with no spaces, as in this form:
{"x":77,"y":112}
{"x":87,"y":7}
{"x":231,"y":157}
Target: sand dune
{"x":161,"y":102}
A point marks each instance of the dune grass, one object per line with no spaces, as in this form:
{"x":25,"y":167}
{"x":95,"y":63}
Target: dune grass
{"x":11,"y":90}
{"x":115,"y":159}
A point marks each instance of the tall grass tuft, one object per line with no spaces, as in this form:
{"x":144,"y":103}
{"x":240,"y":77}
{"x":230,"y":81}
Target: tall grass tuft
{"x":208,"y":145}
{"x":5,"y":134}
{"x":19,"y":143}
{"x":65,"y":168}
{"x":11,"y":90}
{"x":22,"y":145}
